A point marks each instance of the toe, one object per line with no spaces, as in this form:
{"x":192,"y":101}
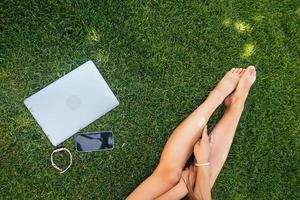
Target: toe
{"x":240,"y":70}
{"x":254,"y":75}
{"x":252,"y":70}
{"x":234,"y":70}
{"x":251,"y":67}
{"x":248,"y":72}
{"x":243,"y":72}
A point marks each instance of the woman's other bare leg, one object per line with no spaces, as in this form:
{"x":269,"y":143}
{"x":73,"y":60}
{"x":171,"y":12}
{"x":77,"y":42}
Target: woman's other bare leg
{"x":180,"y":144}
{"x":223,"y":133}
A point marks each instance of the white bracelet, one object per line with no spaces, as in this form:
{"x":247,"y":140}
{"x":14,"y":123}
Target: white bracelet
{"x":201,"y":164}
{"x":55,"y":166}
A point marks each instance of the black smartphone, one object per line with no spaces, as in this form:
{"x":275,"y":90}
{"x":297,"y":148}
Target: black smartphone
{"x":94,"y":141}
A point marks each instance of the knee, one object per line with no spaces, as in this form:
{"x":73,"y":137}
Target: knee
{"x":169,"y":174}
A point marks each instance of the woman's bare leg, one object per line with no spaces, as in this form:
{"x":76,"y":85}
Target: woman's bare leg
{"x":180,"y":144}
{"x":223,"y":133}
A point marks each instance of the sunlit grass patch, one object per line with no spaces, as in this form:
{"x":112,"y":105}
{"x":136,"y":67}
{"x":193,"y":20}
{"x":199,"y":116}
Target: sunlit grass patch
{"x":94,"y":36}
{"x":248,"y":50}
{"x":227,"y":22}
{"x":258,"y":18}
{"x":101,"y":56}
{"x":242,"y":26}
{"x":298,"y":11}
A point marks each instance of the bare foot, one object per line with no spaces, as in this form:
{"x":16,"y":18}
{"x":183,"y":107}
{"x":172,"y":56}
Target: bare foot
{"x":247,"y":79}
{"x":228,"y":99}
{"x":229,"y":82}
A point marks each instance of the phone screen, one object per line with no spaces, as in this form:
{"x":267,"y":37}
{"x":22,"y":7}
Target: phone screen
{"x":95,"y":141}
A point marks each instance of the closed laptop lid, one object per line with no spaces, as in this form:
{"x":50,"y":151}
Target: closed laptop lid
{"x":71,"y":102}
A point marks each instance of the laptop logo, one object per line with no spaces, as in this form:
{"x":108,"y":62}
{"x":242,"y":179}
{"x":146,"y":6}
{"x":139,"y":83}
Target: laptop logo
{"x":73,"y":102}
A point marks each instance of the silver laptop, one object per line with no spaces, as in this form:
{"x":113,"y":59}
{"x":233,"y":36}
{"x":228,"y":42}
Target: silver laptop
{"x":71,"y":102}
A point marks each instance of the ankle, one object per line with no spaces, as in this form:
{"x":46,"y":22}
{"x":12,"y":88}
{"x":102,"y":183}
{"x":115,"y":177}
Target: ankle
{"x":217,"y":93}
{"x":237,"y":103}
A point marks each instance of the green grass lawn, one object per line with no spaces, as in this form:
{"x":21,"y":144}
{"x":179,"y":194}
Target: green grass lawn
{"x":160,"y":58}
